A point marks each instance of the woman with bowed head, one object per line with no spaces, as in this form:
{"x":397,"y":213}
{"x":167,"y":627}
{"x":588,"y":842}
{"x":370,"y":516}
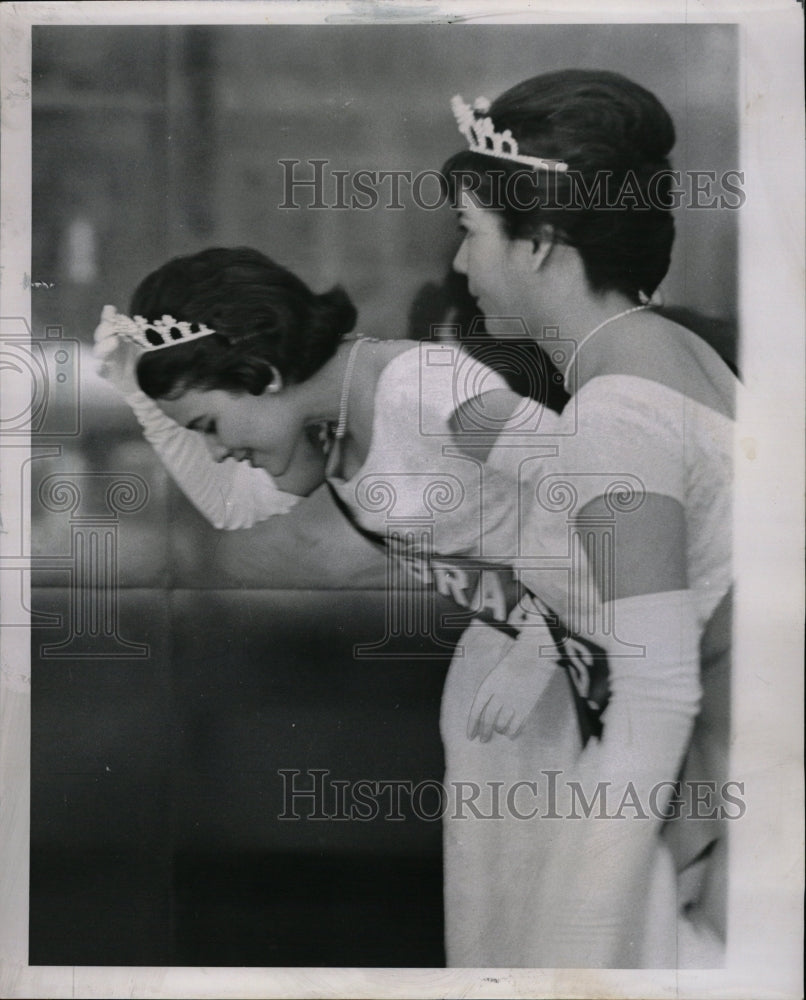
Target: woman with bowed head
{"x":254,"y":392}
{"x":624,"y":535}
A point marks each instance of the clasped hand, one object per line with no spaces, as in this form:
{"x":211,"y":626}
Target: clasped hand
{"x":117,"y":355}
{"x":509,"y":693}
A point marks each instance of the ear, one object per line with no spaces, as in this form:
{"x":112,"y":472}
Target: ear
{"x":542,"y":246}
{"x":276,"y":383}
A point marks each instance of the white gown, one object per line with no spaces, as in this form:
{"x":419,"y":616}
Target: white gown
{"x":622,"y":437}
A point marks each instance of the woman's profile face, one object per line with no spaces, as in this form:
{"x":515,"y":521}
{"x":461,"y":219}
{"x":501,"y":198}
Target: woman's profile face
{"x":496,"y":267}
{"x":264,"y":430}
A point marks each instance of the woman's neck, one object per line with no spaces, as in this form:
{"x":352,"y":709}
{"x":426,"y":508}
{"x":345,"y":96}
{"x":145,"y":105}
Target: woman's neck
{"x":325,"y":387}
{"x":345,"y":388}
{"x":584,"y":313}
{"x":582,"y":324}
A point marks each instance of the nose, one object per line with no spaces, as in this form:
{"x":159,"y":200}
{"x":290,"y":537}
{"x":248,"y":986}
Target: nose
{"x":218,"y":451}
{"x":460,"y":260}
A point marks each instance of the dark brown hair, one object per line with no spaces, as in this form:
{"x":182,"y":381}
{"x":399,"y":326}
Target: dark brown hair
{"x":263,"y":316}
{"x":613,"y":203}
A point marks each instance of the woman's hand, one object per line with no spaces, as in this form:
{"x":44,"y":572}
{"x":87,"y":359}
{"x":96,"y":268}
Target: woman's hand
{"x":508,"y":694}
{"x":118,"y":356}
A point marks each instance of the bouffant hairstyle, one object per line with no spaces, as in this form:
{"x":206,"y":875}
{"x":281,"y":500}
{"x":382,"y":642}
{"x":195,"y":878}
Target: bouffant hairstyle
{"x":613,"y":203}
{"x":264,"y":318}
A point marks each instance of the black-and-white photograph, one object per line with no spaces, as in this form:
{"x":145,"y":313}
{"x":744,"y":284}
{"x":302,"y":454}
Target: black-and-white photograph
{"x":380,"y":452}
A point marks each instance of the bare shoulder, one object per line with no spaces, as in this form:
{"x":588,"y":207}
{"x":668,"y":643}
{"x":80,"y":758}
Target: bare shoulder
{"x":370,"y":365}
{"x":374,"y":360}
{"x":672,"y":355}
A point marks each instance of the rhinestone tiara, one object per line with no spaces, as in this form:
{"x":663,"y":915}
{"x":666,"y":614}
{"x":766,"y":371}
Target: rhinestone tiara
{"x":478,"y":129}
{"x":150,"y":335}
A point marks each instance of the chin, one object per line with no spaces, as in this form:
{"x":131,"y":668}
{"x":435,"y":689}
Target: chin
{"x":484,"y":308}
{"x":298,"y":486}
{"x":258,"y":462}
{"x":301,"y":479}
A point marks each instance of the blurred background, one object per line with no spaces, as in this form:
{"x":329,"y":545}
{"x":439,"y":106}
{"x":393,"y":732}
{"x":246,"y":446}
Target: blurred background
{"x":163,"y":712}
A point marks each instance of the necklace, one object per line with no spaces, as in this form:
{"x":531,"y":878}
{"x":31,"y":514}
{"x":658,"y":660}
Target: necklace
{"x":341,"y":426}
{"x":328,"y":432}
{"x":596,"y":329}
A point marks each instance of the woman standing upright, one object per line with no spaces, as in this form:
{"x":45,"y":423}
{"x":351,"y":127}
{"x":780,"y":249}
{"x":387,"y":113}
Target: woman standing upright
{"x":624,"y":533}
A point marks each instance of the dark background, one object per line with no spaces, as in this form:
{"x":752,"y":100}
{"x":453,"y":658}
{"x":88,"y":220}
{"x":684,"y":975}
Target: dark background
{"x":177,"y":669}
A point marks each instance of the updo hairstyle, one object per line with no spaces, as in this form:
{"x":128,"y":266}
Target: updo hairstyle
{"x":262,"y":314}
{"x":613,"y":203}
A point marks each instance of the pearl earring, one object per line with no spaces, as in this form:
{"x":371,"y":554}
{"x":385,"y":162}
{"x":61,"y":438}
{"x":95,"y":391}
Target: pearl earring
{"x":276,"y":383}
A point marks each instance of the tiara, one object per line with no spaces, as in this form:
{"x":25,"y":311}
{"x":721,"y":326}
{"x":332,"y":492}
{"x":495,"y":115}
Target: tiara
{"x":482,"y":137}
{"x":150,"y":335}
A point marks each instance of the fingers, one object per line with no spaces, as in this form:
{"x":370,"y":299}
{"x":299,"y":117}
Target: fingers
{"x":103,"y":348}
{"x":489,"y":723}
{"x":516,"y":725}
{"x":475,"y":720}
{"x":106,"y":328}
{"x":489,"y":714}
{"x":504,"y":720}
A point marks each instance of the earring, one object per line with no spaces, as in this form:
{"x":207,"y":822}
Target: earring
{"x":542,"y":246}
{"x":276,"y":383}
{"x":326,"y":435}
{"x":654,"y":300}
